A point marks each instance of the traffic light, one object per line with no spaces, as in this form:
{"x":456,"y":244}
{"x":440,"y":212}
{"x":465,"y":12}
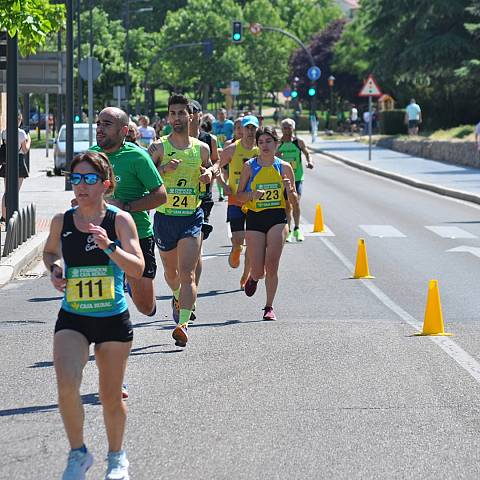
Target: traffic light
{"x":77,"y":118}
{"x":237,"y":32}
{"x":312,"y":91}
{"x":294,"y":94}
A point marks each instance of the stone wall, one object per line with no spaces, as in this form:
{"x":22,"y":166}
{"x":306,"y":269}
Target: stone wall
{"x":456,"y":151}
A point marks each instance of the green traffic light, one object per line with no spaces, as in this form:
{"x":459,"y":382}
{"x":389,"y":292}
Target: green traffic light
{"x":236,"y":37}
{"x":77,"y":118}
{"x":294,"y":94}
{"x":311,"y":92}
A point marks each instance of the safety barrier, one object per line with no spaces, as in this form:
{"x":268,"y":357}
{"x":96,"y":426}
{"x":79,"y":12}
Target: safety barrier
{"x":20,"y":228}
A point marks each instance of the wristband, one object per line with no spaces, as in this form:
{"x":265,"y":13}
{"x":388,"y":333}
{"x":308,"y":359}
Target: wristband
{"x":111,"y":248}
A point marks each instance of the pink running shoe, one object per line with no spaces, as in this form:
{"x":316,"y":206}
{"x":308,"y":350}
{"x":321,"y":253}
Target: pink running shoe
{"x":269,"y":314}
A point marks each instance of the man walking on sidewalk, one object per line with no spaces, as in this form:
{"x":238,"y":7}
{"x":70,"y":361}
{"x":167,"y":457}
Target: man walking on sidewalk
{"x":413,"y":117}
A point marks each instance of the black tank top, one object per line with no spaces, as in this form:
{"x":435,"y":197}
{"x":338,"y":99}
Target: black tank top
{"x":78,"y":248}
{"x":205,"y":189}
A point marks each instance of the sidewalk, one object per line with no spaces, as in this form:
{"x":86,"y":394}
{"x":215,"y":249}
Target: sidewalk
{"x":49,"y":196}
{"x":443,"y":178}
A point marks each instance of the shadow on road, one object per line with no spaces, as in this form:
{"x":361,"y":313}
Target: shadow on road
{"x":211,"y":293}
{"x":88,"y":399}
{"x":44,"y":299}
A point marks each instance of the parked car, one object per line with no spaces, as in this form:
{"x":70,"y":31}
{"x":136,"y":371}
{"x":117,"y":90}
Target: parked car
{"x":34,"y":120}
{"x":80,"y":144}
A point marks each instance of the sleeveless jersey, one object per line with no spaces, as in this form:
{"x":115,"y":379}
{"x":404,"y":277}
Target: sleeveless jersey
{"x":239,"y":157}
{"x":182,"y":185}
{"x":205,"y":190}
{"x":292,"y":154}
{"x":268,"y":179}
{"x":94,"y":281}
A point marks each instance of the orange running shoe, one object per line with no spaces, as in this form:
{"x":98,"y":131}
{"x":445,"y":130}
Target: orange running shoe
{"x":180,"y":335}
{"x":234,"y":257}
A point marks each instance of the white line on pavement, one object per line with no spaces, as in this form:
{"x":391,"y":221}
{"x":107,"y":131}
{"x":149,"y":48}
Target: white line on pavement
{"x":450,"y":232}
{"x":307,"y":230}
{"x":465,"y":360}
{"x":467,"y":249}
{"x":382,"y":231}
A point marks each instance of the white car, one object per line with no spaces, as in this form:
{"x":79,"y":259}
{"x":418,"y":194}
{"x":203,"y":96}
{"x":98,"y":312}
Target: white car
{"x":80,"y":144}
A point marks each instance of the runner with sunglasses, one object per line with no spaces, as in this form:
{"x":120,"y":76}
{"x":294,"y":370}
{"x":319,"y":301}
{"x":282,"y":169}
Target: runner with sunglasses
{"x":265,"y":183}
{"x":97,"y":243}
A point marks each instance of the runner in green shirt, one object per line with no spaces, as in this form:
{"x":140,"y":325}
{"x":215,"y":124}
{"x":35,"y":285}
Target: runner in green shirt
{"x":139,"y":188}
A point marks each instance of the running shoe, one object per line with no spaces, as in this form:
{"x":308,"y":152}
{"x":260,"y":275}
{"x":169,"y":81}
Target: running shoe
{"x":180,"y":335}
{"x":250,"y":287}
{"x":175,"y":310}
{"x":234,"y":257}
{"x":117,"y":466}
{"x":269,"y":314}
{"x":298,"y":235}
{"x":192,"y":315}
{"x":289,"y":237}
{"x":124,"y":391}
{"x":77,"y":465}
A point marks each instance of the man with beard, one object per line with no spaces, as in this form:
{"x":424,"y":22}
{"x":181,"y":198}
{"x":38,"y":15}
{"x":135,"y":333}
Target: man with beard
{"x":235,"y":155}
{"x":183,"y":162}
{"x":139,"y":188}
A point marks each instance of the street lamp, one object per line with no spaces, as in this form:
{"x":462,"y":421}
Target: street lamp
{"x":331,"y":82}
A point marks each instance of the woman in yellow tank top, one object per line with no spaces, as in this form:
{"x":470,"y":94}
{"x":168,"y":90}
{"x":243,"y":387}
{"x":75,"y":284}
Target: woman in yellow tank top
{"x":264,"y":184}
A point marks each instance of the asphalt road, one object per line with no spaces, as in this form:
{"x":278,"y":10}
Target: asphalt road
{"x":337,"y":388}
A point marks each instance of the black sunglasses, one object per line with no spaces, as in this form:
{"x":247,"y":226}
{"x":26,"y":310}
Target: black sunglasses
{"x":88,"y":178}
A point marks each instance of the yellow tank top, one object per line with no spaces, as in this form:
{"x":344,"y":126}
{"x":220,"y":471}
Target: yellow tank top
{"x":240,"y":156}
{"x":182,"y":184}
{"x":268,"y":179}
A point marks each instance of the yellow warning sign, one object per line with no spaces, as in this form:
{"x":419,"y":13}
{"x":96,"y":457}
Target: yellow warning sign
{"x":370,"y":88}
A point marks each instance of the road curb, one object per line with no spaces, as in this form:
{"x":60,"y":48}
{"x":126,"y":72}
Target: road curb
{"x":448,"y":192}
{"x":12,"y":265}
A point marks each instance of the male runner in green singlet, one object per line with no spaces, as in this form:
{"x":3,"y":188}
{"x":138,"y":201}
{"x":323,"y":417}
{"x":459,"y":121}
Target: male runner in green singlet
{"x":183,"y":162}
{"x":139,"y":188}
{"x":290,"y":150}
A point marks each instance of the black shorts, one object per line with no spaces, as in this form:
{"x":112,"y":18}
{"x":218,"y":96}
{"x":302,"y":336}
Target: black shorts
{"x":413,"y":123}
{"x":263,"y":221}
{"x":22,"y":168}
{"x":236,"y":217}
{"x":116,"y":328}
{"x":206,"y":206}
{"x":148,"y":248}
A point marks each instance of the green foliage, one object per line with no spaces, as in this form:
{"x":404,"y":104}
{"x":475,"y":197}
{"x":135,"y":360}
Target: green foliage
{"x":32,"y":20}
{"x":392,"y":122}
{"x":461,"y":132}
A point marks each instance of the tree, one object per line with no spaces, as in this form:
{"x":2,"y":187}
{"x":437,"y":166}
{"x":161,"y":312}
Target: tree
{"x":32,"y":20}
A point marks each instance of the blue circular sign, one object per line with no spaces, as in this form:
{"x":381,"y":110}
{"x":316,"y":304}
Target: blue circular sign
{"x":314,"y":73}
{"x":287,"y":92}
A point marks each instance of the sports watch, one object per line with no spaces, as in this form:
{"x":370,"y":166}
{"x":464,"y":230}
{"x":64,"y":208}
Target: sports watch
{"x":111,"y":248}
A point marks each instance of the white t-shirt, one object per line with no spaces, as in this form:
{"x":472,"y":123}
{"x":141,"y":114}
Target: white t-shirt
{"x":147,"y":136}
{"x":413,"y":111}
{"x":366,"y":116}
{"x":22,"y":136}
{"x":354,"y":114}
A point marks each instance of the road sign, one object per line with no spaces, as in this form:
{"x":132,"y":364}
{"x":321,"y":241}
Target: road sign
{"x":314,"y":73}
{"x":287,"y":92}
{"x":255,"y":28}
{"x":370,"y":88}
{"x":83,"y":68}
{"x":234,"y":88}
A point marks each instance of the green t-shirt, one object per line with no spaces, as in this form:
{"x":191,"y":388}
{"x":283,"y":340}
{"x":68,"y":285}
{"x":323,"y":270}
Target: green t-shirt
{"x":135,"y":176}
{"x":292,"y":154}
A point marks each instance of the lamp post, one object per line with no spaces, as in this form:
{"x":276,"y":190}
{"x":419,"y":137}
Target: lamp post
{"x":331,"y":82}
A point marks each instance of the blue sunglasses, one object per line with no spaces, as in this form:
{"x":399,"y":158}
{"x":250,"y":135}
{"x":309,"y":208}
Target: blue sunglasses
{"x":88,"y":178}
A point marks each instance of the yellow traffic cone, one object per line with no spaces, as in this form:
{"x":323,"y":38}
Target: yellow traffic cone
{"x":318,"y":226}
{"x":361,"y":265}
{"x":433,"y":322}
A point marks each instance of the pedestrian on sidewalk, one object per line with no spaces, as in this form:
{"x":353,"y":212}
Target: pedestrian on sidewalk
{"x":413,"y":117}
{"x":477,"y":136}
{"x":97,"y":244}
{"x":24,"y":142}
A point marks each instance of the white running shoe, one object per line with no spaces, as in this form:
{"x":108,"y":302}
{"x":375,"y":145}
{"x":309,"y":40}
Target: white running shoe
{"x":117,"y":466}
{"x":77,"y":465}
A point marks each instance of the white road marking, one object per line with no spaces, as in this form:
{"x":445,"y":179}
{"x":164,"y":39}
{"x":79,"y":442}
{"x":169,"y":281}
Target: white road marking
{"x":465,"y":248}
{"x":465,"y":360}
{"x":450,"y":232}
{"x":382,"y":231}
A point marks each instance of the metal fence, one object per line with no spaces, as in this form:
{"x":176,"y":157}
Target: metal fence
{"x":20,"y":228}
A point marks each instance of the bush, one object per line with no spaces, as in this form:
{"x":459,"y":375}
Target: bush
{"x":392,"y":122}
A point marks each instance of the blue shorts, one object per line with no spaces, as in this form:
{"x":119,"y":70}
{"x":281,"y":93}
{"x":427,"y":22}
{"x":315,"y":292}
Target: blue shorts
{"x":299,"y":186}
{"x":236,"y":218}
{"x":168,"y":229}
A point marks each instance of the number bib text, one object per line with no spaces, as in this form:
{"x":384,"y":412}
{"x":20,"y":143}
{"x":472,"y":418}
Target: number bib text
{"x":271,"y":197}
{"x":90,"y":289}
{"x":181,"y":201}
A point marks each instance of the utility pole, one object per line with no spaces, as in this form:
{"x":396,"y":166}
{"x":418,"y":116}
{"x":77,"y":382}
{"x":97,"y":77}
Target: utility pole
{"x":69,"y":94}
{"x":79,"y":59}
